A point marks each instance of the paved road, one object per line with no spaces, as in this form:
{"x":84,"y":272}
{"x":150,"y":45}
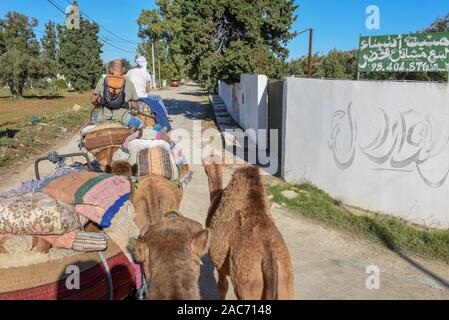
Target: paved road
{"x":327,"y":264}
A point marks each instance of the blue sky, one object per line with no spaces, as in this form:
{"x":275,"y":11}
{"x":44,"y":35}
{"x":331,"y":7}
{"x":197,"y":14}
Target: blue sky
{"x":337,"y":23}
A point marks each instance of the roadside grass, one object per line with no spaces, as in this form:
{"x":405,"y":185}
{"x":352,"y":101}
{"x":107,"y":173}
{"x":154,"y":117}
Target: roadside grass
{"x":394,"y":233}
{"x":25,"y":139}
{"x":37,"y":103}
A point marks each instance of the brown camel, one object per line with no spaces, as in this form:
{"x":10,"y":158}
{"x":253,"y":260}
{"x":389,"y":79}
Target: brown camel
{"x":104,"y":156}
{"x":152,"y":197}
{"x":170,"y":253}
{"x":122,"y":168}
{"x":246,"y":245}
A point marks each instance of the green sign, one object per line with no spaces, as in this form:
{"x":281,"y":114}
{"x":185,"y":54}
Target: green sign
{"x":423,"y":52}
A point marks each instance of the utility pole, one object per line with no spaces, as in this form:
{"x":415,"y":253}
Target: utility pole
{"x":309,"y":69}
{"x":159,"y":65}
{"x":154,"y":67}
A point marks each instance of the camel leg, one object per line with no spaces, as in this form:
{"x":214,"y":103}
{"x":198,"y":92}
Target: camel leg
{"x":222,"y":285}
{"x":41,"y":245}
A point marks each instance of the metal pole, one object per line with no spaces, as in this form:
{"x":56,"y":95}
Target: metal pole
{"x":309,"y":70}
{"x":159,"y":65}
{"x":154,"y":68}
{"x":358,"y":57}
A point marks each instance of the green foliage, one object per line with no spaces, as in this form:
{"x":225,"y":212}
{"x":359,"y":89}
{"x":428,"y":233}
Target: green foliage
{"x":17,"y":32}
{"x":126,"y":65}
{"x":49,"y":41}
{"x":220,"y":39}
{"x":79,"y":55}
{"x":60,"y":84}
{"x":18,"y":68}
{"x":162,"y":26}
{"x":336,"y":64}
{"x":20,"y":61}
{"x":439,"y":25}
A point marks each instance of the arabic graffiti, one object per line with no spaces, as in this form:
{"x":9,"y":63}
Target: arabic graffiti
{"x":410,"y":142}
{"x":424,"y":52}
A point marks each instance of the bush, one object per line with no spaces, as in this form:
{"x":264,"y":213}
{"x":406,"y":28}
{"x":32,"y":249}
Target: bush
{"x":60,"y":84}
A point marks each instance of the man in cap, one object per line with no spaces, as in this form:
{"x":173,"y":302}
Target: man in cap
{"x":141,"y":79}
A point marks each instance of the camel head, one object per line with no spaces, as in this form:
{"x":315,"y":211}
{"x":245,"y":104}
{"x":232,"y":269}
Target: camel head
{"x":122,"y":168}
{"x":170,"y":253}
{"x":214,"y":166}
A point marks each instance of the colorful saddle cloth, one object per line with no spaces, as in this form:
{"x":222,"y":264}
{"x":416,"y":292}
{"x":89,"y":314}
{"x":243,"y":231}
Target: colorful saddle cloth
{"x":96,"y":196}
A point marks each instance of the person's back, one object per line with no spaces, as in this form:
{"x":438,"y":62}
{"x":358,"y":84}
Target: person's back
{"x":116,"y":95}
{"x":140,"y":78}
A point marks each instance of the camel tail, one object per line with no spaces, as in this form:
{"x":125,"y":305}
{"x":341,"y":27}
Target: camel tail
{"x":270,"y":276}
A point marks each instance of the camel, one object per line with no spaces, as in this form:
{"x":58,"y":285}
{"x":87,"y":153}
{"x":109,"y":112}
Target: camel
{"x":246,"y":245}
{"x":152,"y":196}
{"x":122,"y":168}
{"x":104,"y":156}
{"x":170,"y":252}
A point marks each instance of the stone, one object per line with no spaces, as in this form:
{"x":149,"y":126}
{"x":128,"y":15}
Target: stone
{"x":275,"y":205}
{"x":289,"y":194}
{"x":76,"y":108}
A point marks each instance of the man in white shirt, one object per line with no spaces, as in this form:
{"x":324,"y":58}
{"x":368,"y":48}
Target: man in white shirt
{"x":141,"y":79}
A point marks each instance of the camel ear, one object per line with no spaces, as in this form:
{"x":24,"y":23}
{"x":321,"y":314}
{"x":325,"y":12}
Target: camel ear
{"x":108,"y":168}
{"x":205,"y":162}
{"x":139,"y":250}
{"x":134,"y":170}
{"x":200,"y":243}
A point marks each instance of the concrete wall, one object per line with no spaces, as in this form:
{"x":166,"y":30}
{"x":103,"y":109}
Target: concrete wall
{"x":247,"y":103}
{"x":382,"y":146}
{"x":225,"y":91}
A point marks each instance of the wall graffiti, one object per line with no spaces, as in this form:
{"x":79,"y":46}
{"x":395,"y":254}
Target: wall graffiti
{"x":405,"y":141}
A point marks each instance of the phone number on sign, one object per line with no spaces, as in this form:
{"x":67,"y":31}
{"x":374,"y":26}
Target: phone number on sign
{"x":409,"y":67}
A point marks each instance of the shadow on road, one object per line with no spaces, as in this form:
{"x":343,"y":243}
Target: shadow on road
{"x":388,"y":241}
{"x":207,"y":282}
{"x":193,"y":110}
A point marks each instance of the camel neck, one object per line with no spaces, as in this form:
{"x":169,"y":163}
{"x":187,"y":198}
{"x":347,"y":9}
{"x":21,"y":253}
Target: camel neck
{"x":215,"y":184}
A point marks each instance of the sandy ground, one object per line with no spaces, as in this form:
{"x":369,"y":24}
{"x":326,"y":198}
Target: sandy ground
{"x":327,"y":263}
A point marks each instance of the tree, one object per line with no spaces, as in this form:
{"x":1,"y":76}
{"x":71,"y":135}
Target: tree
{"x":49,"y":41}
{"x":439,"y":25}
{"x":79,"y":55}
{"x":161,"y":26}
{"x":126,"y":64}
{"x":221,"y":39}
{"x":17,"y":32}
{"x":20,"y":59}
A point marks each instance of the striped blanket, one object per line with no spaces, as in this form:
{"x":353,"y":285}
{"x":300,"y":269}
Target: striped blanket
{"x":96,"y":196}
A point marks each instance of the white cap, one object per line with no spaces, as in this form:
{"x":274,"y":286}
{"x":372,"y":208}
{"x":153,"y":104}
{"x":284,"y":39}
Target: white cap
{"x":141,"y":61}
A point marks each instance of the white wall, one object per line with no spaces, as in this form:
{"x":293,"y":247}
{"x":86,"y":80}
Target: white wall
{"x":382,"y":146}
{"x":247,"y":103}
{"x":225,"y":92}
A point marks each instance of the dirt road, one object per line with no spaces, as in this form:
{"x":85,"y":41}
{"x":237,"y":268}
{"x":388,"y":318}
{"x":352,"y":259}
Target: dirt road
{"x":328,"y":264}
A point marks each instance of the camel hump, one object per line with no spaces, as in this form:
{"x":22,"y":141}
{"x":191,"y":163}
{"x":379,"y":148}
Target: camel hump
{"x":270,"y":276}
